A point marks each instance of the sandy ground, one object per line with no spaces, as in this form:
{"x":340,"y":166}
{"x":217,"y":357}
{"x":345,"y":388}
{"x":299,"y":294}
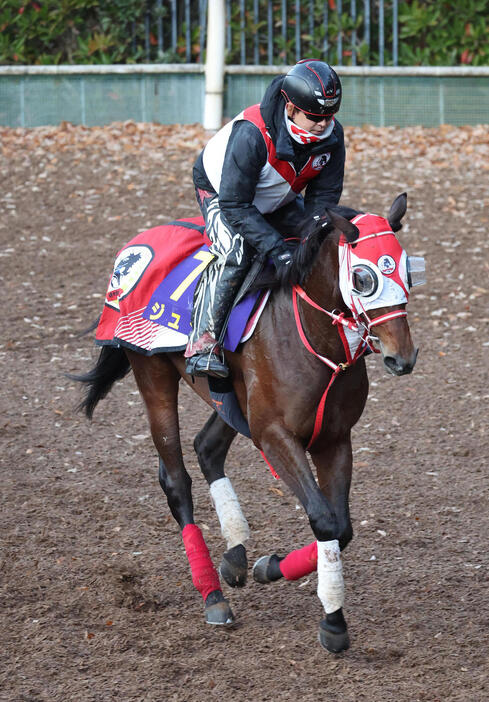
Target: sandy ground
{"x":96,"y":599}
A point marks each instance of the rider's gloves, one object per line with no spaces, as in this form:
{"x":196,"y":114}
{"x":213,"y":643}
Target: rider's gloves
{"x":281,"y":257}
{"x":282,"y":260}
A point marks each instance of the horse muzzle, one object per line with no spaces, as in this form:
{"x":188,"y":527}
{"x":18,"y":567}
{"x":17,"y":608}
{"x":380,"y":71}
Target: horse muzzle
{"x":398,"y":364}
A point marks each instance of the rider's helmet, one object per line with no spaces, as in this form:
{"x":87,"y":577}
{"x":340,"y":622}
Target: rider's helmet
{"x":313,"y":87}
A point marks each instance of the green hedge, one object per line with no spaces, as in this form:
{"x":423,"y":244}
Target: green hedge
{"x":431,"y":32}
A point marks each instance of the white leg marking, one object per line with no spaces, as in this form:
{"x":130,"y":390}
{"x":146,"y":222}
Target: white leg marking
{"x":234,"y":526}
{"x":331,"y":588}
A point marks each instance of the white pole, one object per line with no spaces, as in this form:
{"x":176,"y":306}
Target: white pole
{"x":214,"y":65}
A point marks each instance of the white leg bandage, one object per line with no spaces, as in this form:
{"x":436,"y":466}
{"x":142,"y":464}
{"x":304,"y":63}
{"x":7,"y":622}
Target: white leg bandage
{"x":331,"y":588}
{"x":234,"y":526}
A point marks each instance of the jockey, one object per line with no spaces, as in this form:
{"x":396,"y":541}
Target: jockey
{"x":248,"y":181}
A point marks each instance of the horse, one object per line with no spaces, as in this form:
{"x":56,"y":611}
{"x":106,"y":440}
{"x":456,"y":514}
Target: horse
{"x":301,"y":383}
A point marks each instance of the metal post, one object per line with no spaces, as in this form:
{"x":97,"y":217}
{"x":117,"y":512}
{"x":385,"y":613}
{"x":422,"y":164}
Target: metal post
{"x":297,"y":30}
{"x":395,"y":33}
{"x":228,"y":25}
{"x":311,"y":22}
{"x":255,"y":38}
{"x":202,"y":16}
{"x":159,"y":25}
{"x":188,"y":36}
{"x":242,"y":31}
{"x":366,"y":29}
{"x":339,"y":44}
{"x":326,"y":38}
{"x":174,"y":25}
{"x":147,"y":20}
{"x":353,"y":12}
{"x":284,"y":28}
{"x":270,"y":32}
{"x":381,"y":33}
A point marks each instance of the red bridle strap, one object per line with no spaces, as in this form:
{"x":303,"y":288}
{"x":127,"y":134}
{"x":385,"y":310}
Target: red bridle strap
{"x":337,"y":318}
{"x":336,"y":367}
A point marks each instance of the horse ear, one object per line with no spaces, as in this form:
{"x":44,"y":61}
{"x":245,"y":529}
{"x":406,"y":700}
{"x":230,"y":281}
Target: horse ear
{"x":397,"y":212}
{"x":344,"y":225}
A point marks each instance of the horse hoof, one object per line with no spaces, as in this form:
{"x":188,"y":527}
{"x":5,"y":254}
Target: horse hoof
{"x":217,"y":610}
{"x":234,"y":566}
{"x":267,"y":569}
{"x":333,"y":633}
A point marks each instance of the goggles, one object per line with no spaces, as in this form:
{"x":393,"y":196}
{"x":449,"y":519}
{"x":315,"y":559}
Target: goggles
{"x":317,"y":118}
{"x":365,"y":279}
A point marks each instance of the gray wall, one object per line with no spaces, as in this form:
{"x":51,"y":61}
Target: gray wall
{"x":33,"y":99}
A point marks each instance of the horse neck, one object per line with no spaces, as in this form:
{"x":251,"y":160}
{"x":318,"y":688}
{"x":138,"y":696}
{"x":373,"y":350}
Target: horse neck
{"x":322,"y":286}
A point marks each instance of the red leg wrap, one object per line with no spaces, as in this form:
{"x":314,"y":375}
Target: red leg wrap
{"x":301,"y":562}
{"x":204,"y":575}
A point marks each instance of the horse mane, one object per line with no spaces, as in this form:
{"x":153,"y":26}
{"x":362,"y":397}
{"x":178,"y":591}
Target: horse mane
{"x":307,"y":249}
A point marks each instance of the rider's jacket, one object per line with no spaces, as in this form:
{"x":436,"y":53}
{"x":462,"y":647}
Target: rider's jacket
{"x":258,"y":171}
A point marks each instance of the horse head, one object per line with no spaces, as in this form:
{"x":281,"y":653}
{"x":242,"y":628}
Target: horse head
{"x":376,"y":277}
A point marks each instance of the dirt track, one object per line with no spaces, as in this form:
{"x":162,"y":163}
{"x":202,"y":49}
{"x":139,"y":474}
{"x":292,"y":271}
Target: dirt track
{"x":96,"y":599}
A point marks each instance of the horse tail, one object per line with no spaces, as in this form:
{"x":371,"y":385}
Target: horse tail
{"x":112,"y":365}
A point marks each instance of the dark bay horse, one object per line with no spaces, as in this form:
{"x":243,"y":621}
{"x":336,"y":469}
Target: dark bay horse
{"x":301,"y":383}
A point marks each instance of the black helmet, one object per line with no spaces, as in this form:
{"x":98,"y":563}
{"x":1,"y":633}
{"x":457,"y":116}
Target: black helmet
{"x":313,"y":87}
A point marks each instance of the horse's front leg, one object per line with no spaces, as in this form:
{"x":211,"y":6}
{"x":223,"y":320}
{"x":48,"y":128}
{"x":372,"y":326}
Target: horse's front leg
{"x":286,"y":454}
{"x":333,"y":463}
{"x":211,"y":446}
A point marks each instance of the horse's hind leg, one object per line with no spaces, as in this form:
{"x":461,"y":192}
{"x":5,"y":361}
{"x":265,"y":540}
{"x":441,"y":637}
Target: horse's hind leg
{"x":211,"y":446}
{"x":157,"y":381}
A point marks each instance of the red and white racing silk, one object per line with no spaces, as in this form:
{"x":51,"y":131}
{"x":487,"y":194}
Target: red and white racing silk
{"x":278,"y":183}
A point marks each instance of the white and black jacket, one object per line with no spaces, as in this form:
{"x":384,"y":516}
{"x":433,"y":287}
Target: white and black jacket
{"x":258,"y":171}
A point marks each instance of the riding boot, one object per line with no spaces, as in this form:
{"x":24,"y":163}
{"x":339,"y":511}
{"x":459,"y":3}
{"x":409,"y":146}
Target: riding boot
{"x":213,"y":299}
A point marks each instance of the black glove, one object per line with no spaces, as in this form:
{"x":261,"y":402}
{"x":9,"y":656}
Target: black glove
{"x":281,"y":258}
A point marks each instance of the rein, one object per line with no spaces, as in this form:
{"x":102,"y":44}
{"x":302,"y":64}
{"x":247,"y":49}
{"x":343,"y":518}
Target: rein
{"x":354,"y":324}
{"x":336,"y":367}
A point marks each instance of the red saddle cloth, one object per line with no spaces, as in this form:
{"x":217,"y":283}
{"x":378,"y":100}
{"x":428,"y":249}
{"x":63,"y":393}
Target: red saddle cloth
{"x":139,"y":268}
{"x":148,"y":304}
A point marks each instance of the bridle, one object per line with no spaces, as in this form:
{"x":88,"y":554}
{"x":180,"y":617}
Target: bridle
{"x":360,"y":323}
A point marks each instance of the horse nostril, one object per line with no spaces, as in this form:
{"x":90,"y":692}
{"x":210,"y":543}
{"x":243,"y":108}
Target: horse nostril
{"x":398,"y":366}
{"x":391,"y":364}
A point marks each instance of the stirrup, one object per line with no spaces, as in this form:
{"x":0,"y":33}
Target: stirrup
{"x":207,"y":363}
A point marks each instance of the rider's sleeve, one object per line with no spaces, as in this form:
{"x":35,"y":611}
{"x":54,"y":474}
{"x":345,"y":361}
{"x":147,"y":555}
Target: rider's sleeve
{"x":246,"y":154}
{"x":325,"y":189}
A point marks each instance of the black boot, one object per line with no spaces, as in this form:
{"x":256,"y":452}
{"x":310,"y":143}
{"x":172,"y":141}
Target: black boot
{"x":207,"y":363}
{"x":213,"y":299}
